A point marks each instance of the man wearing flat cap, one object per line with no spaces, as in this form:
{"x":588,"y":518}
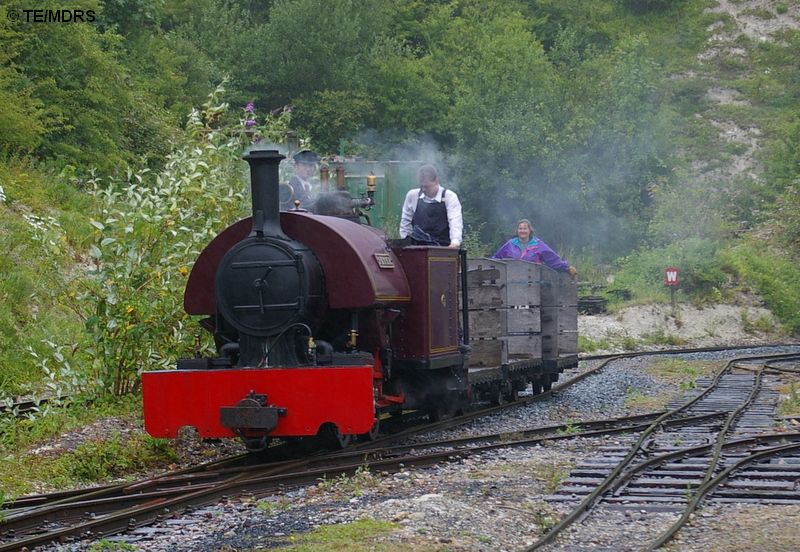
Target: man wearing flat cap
{"x":305,"y":165}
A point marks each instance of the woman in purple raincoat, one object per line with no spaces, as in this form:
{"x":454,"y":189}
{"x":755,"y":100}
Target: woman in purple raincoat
{"x":527,"y":247}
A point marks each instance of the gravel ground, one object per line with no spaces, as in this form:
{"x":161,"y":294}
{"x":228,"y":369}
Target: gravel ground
{"x":490,"y":501}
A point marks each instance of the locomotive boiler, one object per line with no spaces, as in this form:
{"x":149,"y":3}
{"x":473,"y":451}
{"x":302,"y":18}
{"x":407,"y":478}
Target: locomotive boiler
{"x":323,"y":326}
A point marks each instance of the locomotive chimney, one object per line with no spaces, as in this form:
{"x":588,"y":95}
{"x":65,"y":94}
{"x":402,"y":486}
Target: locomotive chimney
{"x":264,"y":185}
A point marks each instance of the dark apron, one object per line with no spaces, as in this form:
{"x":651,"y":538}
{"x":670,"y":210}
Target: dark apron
{"x":432,"y":219}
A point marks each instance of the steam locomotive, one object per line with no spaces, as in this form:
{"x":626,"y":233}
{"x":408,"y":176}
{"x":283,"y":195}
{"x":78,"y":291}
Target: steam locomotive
{"x":323,"y":327}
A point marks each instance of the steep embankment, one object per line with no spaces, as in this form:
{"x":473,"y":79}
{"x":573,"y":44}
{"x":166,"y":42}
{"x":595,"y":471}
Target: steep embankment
{"x":742,"y":25}
{"x":722,"y":166}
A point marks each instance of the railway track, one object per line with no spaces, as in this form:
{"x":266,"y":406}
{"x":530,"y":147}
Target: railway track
{"x":33,"y":521}
{"x":674,"y":469}
{"x":37,"y":520}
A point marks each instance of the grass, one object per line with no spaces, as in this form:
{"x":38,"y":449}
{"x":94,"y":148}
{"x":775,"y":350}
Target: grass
{"x":544,"y":515}
{"x":552,"y":474}
{"x":586,"y":345}
{"x":359,"y":536}
{"x":684,"y":374}
{"x":681,"y":372}
{"x":19,"y":434}
{"x":571,"y":428}
{"x":642,"y":272}
{"x":628,"y":342}
{"x":636,"y":399}
{"x":789,"y":404}
{"x":90,"y":462}
{"x":24,"y":471}
{"x":115,"y":457}
{"x":763,"y":323}
{"x":272,"y":507}
{"x":106,"y":545}
{"x":660,"y":337}
{"x":353,"y":485}
{"x":761,"y":13}
{"x":32,"y":313}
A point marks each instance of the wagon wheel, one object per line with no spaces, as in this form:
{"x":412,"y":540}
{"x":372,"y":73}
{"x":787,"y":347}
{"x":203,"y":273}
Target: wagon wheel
{"x":510,"y":393}
{"x":499,"y":395}
{"x":502,"y":394}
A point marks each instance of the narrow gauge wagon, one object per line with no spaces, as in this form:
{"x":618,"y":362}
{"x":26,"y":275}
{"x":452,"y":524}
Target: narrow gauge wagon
{"x":323,"y":326}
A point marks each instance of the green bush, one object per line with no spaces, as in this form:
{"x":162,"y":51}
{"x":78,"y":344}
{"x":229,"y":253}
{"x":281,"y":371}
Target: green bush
{"x":701,"y":278}
{"x":147,"y":232}
{"x":95,"y":269}
{"x":773,"y":275}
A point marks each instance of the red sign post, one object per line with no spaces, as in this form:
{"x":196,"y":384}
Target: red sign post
{"x":671,"y":276}
{"x":672,"y":279}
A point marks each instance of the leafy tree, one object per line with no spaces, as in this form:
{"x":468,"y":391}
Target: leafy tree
{"x":315,"y":45}
{"x":221,"y":39}
{"x":566,"y":135}
{"x":23,"y":119}
{"x":95,"y":117}
{"x":407,"y":91}
{"x":126,"y":17}
{"x":333,"y":115}
{"x":148,"y":230}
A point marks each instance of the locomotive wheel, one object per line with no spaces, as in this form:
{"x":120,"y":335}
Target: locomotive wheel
{"x":301,"y":446}
{"x":375,"y":430}
{"x":331,"y":438}
{"x":435,"y":413}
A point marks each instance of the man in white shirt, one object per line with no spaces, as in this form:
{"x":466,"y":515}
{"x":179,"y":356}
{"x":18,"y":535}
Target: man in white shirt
{"x":431,"y":214}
